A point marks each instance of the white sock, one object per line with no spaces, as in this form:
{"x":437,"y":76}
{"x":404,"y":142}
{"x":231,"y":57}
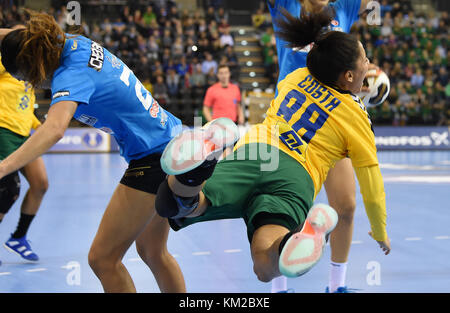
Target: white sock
{"x":337,"y":275}
{"x":279,"y":284}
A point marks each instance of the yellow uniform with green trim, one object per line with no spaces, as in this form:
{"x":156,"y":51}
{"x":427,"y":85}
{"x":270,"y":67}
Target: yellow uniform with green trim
{"x":317,"y":126}
{"x":16,"y":104}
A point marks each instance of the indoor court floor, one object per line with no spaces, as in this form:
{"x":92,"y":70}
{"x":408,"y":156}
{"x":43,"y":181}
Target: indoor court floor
{"x":214,"y":256}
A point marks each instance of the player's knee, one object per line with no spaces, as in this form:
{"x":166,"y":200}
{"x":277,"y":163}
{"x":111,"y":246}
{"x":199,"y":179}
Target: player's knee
{"x":39,"y":188}
{"x":262,"y":274}
{"x":262,"y":268}
{"x":9,"y":191}
{"x":99,"y":262}
{"x":345,"y":207}
{"x":150,"y":253}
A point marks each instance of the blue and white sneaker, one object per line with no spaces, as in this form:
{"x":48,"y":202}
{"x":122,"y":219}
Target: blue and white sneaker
{"x":343,"y":289}
{"x":304,"y":249}
{"x":21,"y":247}
{"x":191,"y":148}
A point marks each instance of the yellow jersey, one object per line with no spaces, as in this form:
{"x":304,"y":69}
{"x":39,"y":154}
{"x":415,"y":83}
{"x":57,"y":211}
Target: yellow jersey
{"x":318,"y":125}
{"x":16,"y":104}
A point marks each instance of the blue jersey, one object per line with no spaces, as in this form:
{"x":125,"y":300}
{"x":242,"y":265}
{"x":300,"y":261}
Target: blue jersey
{"x":290,"y":59}
{"x":111,"y":98}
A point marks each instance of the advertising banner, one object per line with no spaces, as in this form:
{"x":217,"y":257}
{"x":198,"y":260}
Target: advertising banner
{"x":412,"y":138}
{"x":84,"y":139}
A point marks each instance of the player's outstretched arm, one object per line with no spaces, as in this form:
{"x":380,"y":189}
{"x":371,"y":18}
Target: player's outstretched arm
{"x":44,"y":138}
{"x":372,"y":190}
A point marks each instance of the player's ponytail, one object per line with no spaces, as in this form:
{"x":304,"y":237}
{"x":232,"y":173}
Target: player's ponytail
{"x":34,"y":52}
{"x":333,"y":52}
{"x":300,"y":32}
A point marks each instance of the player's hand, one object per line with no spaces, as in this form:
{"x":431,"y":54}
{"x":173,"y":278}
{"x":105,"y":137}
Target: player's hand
{"x":365,"y":87}
{"x":384,"y":245}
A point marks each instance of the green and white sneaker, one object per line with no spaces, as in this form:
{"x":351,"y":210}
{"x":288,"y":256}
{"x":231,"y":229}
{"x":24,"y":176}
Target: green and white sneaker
{"x":304,"y":249}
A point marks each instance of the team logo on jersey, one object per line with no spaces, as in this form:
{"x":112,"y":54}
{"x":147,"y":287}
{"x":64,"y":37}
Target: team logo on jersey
{"x":115,"y":63}
{"x":62,"y":93}
{"x":74,"y":45}
{"x":97,"y":57}
{"x":107,"y":130}
{"x":154,"y":109}
{"x":164,"y":118}
{"x":88,"y":120}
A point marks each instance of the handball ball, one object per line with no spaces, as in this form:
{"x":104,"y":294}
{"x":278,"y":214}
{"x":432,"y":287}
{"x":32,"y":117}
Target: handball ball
{"x":379,"y":88}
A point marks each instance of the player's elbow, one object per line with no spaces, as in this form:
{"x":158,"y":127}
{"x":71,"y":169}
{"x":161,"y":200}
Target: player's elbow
{"x":56,"y":130}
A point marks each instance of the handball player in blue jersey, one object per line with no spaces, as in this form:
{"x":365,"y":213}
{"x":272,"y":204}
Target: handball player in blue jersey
{"x":95,"y":87}
{"x":340,"y":182}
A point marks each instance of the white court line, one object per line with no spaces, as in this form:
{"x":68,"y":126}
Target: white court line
{"x":413,"y":238}
{"x":134,"y":259}
{"x":5,"y":273}
{"x":442,"y":237}
{"x":356,"y":242}
{"x":202,"y":253}
{"x":36,"y":270}
{"x":232,"y":250}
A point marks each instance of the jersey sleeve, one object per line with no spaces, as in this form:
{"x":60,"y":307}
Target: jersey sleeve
{"x":72,"y":85}
{"x":374,"y":198}
{"x":351,"y":9}
{"x":361,"y":146}
{"x":35,"y":122}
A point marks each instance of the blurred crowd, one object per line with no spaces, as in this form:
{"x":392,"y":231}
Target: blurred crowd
{"x":413,"y":50}
{"x":175,"y":53}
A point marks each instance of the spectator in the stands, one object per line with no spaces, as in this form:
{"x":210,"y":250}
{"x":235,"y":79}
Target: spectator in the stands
{"x":172,"y":82}
{"x":209,"y":64}
{"x":226,"y":39}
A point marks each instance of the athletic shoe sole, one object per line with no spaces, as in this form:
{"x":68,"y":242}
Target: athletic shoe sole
{"x":304,"y":249}
{"x":191,"y":148}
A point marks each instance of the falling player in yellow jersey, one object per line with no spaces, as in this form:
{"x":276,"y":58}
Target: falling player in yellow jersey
{"x":16,"y":121}
{"x":279,"y":166}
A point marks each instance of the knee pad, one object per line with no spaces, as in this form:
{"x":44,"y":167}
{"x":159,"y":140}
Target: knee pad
{"x":170,"y":205}
{"x":9,"y":191}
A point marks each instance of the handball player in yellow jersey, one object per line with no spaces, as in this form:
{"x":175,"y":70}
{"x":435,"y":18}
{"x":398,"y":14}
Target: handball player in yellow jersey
{"x":16,"y":121}
{"x":314,"y":121}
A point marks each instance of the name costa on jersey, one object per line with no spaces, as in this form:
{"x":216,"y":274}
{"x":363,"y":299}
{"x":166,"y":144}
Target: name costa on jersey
{"x":97,"y":57}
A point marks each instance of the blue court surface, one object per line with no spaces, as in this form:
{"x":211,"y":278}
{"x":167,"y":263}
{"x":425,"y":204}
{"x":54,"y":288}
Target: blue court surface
{"x":214,"y":256}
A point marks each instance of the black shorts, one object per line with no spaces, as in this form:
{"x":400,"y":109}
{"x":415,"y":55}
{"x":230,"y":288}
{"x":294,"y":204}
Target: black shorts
{"x":144,"y":174}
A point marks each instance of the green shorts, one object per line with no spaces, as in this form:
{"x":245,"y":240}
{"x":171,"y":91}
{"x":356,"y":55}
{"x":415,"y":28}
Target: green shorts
{"x":262,"y":188}
{"x":9,"y":142}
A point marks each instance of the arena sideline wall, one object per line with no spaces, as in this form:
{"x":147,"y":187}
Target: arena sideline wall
{"x":387,"y":138}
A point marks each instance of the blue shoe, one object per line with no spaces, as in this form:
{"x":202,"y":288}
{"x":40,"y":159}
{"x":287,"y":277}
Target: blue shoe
{"x":304,"y":249}
{"x":21,"y":246}
{"x":344,"y":289}
{"x":192,"y":148}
